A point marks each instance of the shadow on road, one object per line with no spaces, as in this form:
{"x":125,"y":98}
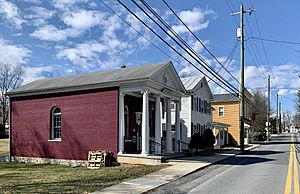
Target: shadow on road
{"x":264,"y":152}
{"x":278,"y":142}
{"x":244,"y":160}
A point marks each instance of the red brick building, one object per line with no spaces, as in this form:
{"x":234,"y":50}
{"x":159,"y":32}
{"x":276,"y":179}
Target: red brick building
{"x":117,"y":110}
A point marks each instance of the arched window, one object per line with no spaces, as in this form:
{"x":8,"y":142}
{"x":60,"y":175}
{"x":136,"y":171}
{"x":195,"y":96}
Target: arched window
{"x":56,"y":123}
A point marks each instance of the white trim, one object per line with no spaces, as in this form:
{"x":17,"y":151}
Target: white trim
{"x":52,"y":122}
{"x":9,"y":131}
{"x":121,"y":122}
{"x":145,"y":123}
{"x":51,"y":140}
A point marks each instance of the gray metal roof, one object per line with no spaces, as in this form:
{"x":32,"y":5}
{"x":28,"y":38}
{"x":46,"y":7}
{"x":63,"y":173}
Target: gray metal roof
{"x":225,"y":98}
{"x":190,"y":82}
{"x":110,"y":76}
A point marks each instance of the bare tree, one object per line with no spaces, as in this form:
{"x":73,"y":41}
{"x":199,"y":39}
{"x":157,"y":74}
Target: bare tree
{"x":297,"y":102}
{"x":260,"y":109}
{"x":296,"y":120}
{"x":11,"y":77}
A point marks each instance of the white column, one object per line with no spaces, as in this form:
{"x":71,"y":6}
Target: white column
{"x":215,"y":134}
{"x":158,"y":124}
{"x":177,"y":128}
{"x":121,"y":123}
{"x":145,"y":123}
{"x":227,"y":135}
{"x":219,"y":137}
{"x":223,"y":133}
{"x":169,"y":146}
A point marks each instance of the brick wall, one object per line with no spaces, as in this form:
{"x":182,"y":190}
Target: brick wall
{"x":89,"y":122}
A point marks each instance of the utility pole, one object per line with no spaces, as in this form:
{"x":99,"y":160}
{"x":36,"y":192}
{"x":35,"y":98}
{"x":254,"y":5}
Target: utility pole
{"x":242,"y":70}
{"x":277,"y":127}
{"x":280,"y":129}
{"x":268,"y":110}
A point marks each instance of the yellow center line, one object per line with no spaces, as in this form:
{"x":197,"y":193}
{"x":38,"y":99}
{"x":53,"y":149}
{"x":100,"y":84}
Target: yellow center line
{"x":296,"y":179}
{"x":288,"y":184}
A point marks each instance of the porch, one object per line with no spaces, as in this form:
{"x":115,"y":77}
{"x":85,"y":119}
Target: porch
{"x":221,"y":133}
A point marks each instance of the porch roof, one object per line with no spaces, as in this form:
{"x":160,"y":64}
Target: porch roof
{"x":224,"y":125}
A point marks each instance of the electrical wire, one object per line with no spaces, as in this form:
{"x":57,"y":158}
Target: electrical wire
{"x":198,"y":40}
{"x":139,"y":33}
{"x":275,"y":41}
{"x":170,"y":46}
{"x":200,"y":60}
{"x":263,"y":45}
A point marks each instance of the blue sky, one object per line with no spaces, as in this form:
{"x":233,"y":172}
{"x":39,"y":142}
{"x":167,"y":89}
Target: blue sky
{"x":63,"y":37}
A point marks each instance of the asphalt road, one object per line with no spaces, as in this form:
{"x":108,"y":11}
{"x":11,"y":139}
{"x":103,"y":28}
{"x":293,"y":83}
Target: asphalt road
{"x":272,"y":168}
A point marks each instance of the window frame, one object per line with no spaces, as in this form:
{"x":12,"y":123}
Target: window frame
{"x":55,"y":115}
{"x":220,"y":111}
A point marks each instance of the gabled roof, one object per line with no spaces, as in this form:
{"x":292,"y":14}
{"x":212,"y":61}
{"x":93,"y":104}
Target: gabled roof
{"x":191,"y":82}
{"x":225,"y":98}
{"x":111,"y":77}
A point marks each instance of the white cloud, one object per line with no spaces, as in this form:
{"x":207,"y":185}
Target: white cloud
{"x":83,"y":54}
{"x":195,"y":19}
{"x":83,"y":19}
{"x":11,"y":14}
{"x":77,"y":23}
{"x":52,"y":33}
{"x":39,"y":15}
{"x":34,"y":73}
{"x":65,"y":4}
{"x":13,"y":54}
{"x":33,"y":1}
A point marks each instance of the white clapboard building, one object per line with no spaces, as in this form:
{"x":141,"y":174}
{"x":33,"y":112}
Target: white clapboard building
{"x":195,"y":111}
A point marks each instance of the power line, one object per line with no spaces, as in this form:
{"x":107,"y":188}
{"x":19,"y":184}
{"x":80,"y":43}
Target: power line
{"x":261,"y":72}
{"x":207,"y":66}
{"x":200,"y":60}
{"x":198,"y":39}
{"x":229,"y":59}
{"x":168,"y":44}
{"x":231,"y":9}
{"x":263,"y":45}
{"x":275,"y":41}
{"x":139,"y":32}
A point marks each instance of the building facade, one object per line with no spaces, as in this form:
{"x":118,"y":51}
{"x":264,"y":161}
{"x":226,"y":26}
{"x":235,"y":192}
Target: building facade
{"x":118,"y":110}
{"x":195,"y":114}
{"x":226,"y":109}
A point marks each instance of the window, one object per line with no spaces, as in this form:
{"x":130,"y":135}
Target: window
{"x":209,"y":108}
{"x":199,"y":104}
{"x":221,"y":111}
{"x":204,"y":106}
{"x":195,"y":103}
{"x":56,"y":123}
{"x":172,"y":106}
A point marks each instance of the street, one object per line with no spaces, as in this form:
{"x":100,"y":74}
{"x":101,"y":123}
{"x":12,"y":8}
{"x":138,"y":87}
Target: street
{"x":272,"y":168}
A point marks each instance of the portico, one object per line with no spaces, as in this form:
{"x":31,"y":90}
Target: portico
{"x":142,"y":106}
{"x":221,"y":133}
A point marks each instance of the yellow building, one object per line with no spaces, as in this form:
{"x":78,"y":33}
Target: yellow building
{"x":226,"y":109}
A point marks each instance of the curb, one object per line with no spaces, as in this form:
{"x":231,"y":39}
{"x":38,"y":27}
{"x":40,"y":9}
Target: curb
{"x":203,"y":167}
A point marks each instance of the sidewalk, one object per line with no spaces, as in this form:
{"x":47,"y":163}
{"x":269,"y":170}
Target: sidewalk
{"x":180,"y":167}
